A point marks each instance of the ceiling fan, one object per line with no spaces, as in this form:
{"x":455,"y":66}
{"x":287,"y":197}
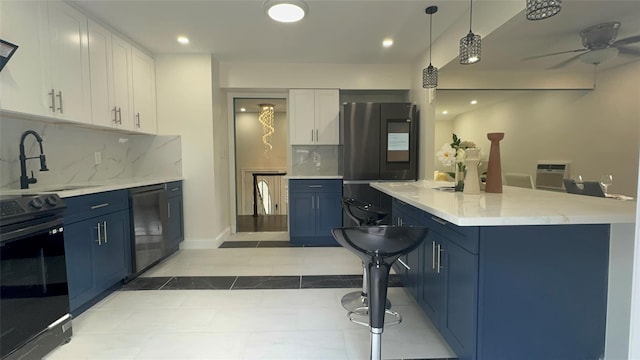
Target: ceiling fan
{"x":600,"y":44}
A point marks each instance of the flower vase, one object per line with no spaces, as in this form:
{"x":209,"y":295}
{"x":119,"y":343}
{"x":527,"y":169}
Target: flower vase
{"x":494,"y":168}
{"x":459,"y":172}
{"x":472,"y":180}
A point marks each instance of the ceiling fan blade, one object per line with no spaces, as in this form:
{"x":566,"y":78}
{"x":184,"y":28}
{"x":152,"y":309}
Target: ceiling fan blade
{"x":564,"y":63}
{"x":556,"y":53}
{"x":622,"y":50}
{"x":627,"y":41}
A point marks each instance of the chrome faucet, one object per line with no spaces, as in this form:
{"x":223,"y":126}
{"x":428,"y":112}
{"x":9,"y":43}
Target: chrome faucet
{"x":24,"y":179}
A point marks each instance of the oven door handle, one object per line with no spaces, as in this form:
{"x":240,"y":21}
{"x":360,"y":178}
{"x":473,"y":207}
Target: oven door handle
{"x":35,"y":229}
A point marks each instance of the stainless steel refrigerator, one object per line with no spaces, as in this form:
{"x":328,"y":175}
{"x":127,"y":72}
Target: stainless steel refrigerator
{"x":380,"y":143}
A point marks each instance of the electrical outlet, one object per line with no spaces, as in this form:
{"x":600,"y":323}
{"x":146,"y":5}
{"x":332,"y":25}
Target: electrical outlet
{"x":97,"y":157}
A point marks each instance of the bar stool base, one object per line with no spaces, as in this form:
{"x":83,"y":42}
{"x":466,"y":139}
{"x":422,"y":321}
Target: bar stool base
{"x":355,"y":300}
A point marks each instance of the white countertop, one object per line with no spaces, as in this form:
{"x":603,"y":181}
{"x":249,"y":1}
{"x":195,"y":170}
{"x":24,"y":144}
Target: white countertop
{"x":75,"y":189}
{"x":514,"y":206}
{"x":295,"y":177}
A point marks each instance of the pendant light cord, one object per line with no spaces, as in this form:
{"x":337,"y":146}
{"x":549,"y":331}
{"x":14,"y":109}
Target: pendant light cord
{"x":470,"y":13}
{"x":430,"y":34}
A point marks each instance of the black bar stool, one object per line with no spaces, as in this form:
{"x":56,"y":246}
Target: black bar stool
{"x":379,"y":247}
{"x":363,"y":214}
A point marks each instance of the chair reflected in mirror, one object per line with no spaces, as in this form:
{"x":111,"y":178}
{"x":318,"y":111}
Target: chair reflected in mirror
{"x":519,"y":180}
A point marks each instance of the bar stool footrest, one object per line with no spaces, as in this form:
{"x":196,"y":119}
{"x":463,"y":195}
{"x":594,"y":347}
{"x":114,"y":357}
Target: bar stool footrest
{"x":364,"y":311}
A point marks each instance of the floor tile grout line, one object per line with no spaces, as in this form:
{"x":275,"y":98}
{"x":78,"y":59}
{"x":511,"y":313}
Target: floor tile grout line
{"x":234,"y":282}
{"x":168,"y":281}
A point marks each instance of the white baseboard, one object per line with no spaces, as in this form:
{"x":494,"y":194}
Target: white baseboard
{"x":206,"y":243}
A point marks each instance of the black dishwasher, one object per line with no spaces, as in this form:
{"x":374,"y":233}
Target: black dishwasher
{"x":149,"y":215}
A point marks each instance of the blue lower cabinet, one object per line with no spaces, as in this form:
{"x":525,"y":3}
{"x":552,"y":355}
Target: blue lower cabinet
{"x":97,"y":248}
{"x":459,"y":299}
{"x":513,"y":292}
{"x":315,"y":207}
{"x":175,"y":215}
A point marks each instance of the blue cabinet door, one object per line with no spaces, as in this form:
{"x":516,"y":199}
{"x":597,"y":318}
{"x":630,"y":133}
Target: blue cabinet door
{"x":110,"y":265}
{"x":459,"y":303}
{"x":432,"y":289}
{"x":302,"y":212}
{"x":328,"y":213}
{"x":175,"y":225}
{"x":79,"y":240}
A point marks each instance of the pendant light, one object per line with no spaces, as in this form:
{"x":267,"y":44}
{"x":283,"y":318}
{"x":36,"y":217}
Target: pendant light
{"x":430,"y":73}
{"x":471,"y":44}
{"x":542,"y":9}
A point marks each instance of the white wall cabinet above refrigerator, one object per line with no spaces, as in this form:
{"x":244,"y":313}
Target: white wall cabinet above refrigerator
{"x":49,"y":73}
{"x":111,"y":79}
{"x":314,"y":116}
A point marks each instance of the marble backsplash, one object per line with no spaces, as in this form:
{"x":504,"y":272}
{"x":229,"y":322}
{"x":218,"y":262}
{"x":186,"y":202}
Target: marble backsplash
{"x":320,"y":160}
{"x":70,"y":153}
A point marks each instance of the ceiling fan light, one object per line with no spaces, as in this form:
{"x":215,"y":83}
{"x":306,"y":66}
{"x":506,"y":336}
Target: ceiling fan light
{"x":430,"y":77}
{"x":542,"y":9}
{"x":470,"y":49}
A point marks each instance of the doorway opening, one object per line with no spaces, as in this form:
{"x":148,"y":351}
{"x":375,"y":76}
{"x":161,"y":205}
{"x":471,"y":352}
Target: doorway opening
{"x":261,"y":162}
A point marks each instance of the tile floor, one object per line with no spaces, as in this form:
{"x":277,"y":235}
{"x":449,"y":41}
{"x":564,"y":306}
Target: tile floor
{"x":245,"y":324}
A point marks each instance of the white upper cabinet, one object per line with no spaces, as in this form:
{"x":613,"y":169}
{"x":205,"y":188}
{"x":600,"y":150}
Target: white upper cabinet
{"x":111,"y":94}
{"x":144,"y":93}
{"x":23,"y":80}
{"x":49,"y":73}
{"x":69,"y":57}
{"x":314,"y":117}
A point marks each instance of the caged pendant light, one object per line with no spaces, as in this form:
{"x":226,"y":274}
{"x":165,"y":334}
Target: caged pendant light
{"x":471,"y":44}
{"x":430,"y":73}
{"x":542,"y":9}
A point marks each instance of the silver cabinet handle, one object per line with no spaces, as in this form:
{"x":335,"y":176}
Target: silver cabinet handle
{"x":138,"y":119}
{"x":403,"y":264}
{"x":99,"y":235}
{"x":317,"y":138}
{"x":438,"y":220}
{"x":119,"y":116}
{"x":99,"y":206}
{"x":53,"y":101}
{"x":105,"y":231}
{"x":433,"y":255}
{"x":59,"y":96}
{"x":439,"y":254}
{"x":311,"y":135}
{"x":175,"y":189}
{"x":115,"y":115}
{"x":318,"y":202}
{"x":168,"y":210}
{"x":315,"y":186}
{"x":313,"y":206}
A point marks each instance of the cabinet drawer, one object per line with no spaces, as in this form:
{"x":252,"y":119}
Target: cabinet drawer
{"x":315,"y":185}
{"x":174,"y":188}
{"x":88,"y":206}
{"x":464,"y":236}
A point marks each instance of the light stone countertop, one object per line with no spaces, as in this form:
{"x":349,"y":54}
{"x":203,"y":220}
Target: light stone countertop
{"x":514,"y":206}
{"x":75,"y":189}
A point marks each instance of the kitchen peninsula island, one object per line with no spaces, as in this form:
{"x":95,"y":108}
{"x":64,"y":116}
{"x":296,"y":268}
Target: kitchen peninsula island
{"x":525,"y":274}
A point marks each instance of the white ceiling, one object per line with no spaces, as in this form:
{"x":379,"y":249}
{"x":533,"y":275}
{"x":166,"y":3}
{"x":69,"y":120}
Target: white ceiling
{"x":351,"y":32}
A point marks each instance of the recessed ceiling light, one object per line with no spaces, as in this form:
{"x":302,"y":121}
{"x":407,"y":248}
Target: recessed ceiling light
{"x":387,"y":42}
{"x":243,"y":109}
{"x":473,"y":102}
{"x":445,"y":112}
{"x":287,"y":11}
{"x":183,"y":40}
